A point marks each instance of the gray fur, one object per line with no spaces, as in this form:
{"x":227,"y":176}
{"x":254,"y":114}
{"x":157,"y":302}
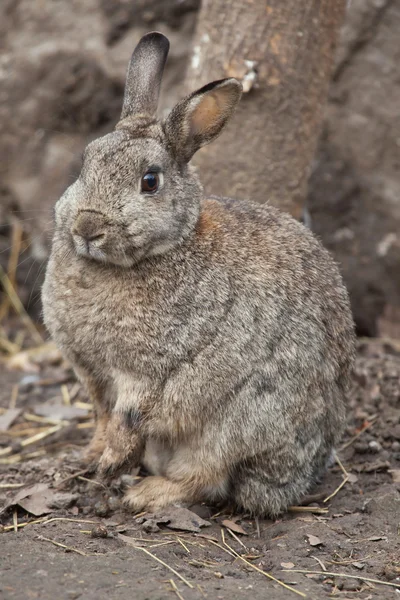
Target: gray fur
{"x":144,"y":76}
{"x":215,"y":336}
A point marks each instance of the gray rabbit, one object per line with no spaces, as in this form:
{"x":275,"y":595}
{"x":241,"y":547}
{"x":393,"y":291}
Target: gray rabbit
{"x":214,"y":336}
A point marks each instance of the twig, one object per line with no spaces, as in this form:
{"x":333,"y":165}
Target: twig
{"x":14,"y":397}
{"x":184,"y":545}
{"x":345,"y":479}
{"x":175,"y":589}
{"x":45,"y":520}
{"x":316,"y":510}
{"x":339,"y":462}
{"x":71,"y":477}
{"x":19,"y":307}
{"x":15,"y":458}
{"x":126,"y":539}
{"x":162,"y":544}
{"x":319,"y":561}
{"x":165,"y":565}
{"x":268,"y":575}
{"x":17,"y":232}
{"x":235,"y":537}
{"x":40,"y":436}
{"x":84,"y":405}
{"x":31,"y":440}
{"x":396,"y":585}
{"x":65,"y":395}
{"x":354,"y":438}
{"x":37,"y":419}
{"x":11,"y":485}
{"x":15,"y":520}
{"x":69,"y":548}
{"x":93,"y":481}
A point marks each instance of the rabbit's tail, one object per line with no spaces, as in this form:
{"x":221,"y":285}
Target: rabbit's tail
{"x":255,"y":491}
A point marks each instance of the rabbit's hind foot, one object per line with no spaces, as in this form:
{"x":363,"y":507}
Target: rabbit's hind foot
{"x":154,"y":493}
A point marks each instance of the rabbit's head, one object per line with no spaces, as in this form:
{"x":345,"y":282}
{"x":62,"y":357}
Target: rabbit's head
{"x":136,"y":196}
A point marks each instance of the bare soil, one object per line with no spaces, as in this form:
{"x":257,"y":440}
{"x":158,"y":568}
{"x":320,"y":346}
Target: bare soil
{"x":357,"y":538}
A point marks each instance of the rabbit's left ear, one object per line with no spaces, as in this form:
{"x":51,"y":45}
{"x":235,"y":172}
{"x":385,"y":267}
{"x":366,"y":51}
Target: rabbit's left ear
{"x":144,"y":76}
{"x":199,"y":118}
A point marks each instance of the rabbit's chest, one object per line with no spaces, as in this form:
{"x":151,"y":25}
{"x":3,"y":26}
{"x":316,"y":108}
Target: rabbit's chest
{"x":144,"y":325}
{"x":100,"y":322}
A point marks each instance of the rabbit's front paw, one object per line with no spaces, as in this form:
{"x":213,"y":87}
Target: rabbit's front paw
{"x":111,"y":463}
{"x":153,"y":494}
{"x":94,"y":451}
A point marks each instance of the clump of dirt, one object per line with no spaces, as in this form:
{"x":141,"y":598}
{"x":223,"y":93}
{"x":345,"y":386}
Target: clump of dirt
{"x":69,"y":536}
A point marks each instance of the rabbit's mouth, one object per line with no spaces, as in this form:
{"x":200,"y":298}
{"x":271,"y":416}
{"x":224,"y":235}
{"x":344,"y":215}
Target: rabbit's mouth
{"x":100,"y":250}
{"x":95,"y":238}
{"x":90,"y":248}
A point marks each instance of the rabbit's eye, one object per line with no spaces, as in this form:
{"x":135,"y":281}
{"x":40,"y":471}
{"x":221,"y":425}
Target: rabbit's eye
{"x":150,"y":182}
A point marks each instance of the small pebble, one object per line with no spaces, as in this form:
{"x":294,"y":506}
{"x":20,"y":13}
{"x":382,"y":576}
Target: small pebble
{"x":73,"y":595}
{"x":361,"y":447}
{"x":396,"y":446}
{"x":101,"y":509}
{"x":351,"y":585}
{"x":114,"y":503}
{"x":28,"y":381}
{"x":374,"y":446}
{"x":150,"y":526}
{"x":99,"y":531}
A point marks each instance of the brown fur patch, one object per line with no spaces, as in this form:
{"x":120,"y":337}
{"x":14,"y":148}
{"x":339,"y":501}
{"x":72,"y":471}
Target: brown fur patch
{"x":208,"y":221}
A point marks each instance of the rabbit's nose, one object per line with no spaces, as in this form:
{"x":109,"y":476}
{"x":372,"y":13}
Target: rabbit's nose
{"x":90,"y":226}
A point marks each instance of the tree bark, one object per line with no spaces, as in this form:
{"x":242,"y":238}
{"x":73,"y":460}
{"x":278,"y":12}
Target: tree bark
{"x":282,"y":51}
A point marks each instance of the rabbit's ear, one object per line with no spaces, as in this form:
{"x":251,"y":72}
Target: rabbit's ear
{"x":144,"y":76}
{"x":199,"y":118}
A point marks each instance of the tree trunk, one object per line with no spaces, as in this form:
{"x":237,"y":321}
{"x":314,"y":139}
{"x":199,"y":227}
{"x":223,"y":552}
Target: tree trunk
{"x":283,"y":52}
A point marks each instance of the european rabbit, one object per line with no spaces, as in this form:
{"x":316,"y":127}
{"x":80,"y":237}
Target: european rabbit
{"x":214,"y":336}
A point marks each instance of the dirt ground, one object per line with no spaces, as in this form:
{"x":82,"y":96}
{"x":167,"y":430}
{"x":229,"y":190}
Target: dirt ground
{"x":85,"y":546}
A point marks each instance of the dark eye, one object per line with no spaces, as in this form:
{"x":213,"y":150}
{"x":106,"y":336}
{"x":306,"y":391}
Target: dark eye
{"x":150,"y":182}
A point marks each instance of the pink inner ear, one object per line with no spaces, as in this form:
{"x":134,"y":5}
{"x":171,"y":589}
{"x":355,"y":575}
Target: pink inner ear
{"x":206,"y":115}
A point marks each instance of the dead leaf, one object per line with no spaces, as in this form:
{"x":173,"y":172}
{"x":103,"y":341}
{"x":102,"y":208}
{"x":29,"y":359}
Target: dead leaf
{"x":8,"y":418}
{"x":58,"y":411}
{"x":358,"y":565}
{"x":314,"y":540}
{"x":352,"y":478}
{"x":181,"y":519}
{"x":378,"y":465}
{"x":395,"y":473}
{"x":39,"y":499}
{"x":35,"y":499}
{"x":235,"y":527}
{"x":288,"y":565}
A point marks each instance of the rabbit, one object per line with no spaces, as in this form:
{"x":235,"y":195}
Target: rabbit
{"x":214,"y":336}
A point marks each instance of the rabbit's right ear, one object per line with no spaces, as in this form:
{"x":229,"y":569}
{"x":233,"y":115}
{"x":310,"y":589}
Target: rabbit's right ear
{"x":144,"y":76}
{"x":199,"y":118}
